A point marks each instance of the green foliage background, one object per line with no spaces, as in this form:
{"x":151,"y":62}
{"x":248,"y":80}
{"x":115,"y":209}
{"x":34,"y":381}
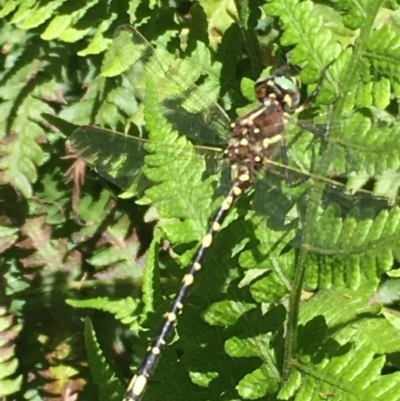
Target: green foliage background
{"x":85,"y":280}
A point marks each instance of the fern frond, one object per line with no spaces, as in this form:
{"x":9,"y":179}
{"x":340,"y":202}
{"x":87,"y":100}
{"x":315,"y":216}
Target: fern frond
{"x":10,"y":380}
{"x":109,"y":386}
{"x":122,"y":309}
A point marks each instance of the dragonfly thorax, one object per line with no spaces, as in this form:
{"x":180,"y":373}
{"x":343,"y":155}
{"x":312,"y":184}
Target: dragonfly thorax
{"x":255,"y":137}
{"x":278,"y":88}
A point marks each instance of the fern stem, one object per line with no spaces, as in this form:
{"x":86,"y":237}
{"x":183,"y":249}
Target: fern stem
{"x":316,"y":194}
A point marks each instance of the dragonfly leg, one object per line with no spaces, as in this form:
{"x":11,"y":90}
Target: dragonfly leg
{"x":285,"y":162}
{"x":315,"y":92}
{"x":282,"y":70}
{"x":318,"y":132}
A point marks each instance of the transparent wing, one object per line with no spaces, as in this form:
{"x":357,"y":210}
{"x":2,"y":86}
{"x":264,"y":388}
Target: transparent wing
{"x":348,"y":205}
{"x":173,"y":178}
{"x":358,"y":150}
{"x":109,"y":153}
{"x":190,"y":109}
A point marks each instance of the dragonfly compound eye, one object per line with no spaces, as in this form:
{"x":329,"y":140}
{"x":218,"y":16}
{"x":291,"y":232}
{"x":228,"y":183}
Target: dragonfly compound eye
{"x":279,"y":88}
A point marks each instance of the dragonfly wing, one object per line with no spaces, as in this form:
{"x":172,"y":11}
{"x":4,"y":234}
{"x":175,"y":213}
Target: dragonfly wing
{"x":110,"y":155}
{"x":357,"y":152}
{"x":355,"y":172}
{"x":189,"y":109}
{"x":168,"y":176}
{"x":367,"y":149}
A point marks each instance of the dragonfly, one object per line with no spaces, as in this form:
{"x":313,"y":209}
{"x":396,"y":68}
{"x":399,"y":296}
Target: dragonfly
{"x":240,"y":151}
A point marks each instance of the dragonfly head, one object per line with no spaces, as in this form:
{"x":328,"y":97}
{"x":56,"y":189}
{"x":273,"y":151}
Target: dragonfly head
{"x":278,"y":88}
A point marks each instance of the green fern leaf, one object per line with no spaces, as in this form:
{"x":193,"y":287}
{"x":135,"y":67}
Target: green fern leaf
{"x":123,"y":309}
{"x":10,"y":382}
{"x":110,"y":388}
